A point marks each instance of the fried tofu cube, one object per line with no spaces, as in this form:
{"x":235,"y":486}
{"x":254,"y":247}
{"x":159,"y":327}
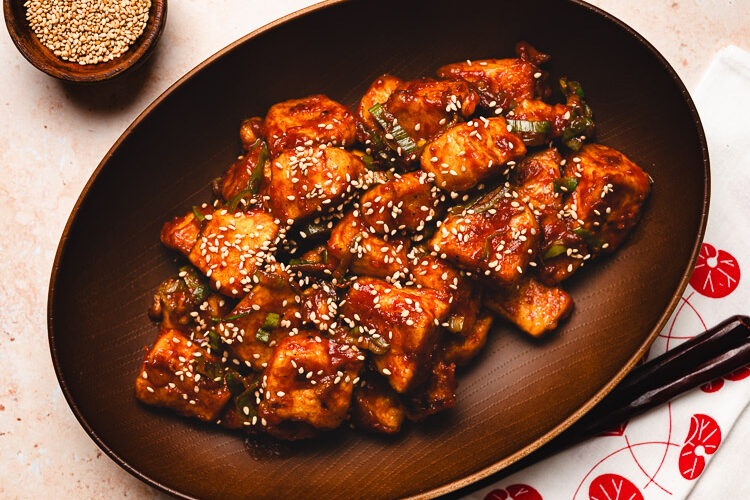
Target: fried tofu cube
{"x":500,"y":83}
{"x":267,"y":314}
{"x":461,"y":349}
{"x":424,"y":107}
{"x":378,"y":93}
{"x":404,"y":203}
{"x":364,"y":253}
{"x":173,"y":375}
{"x":181,"y":233}
{"x":308,"y":386}
{"x":407,"y":319}
{"x":438,"y":395}
{"x":470,"y":153}
{"x":608,"y":198}
{"x":309,"y":121}
{"x":312,"y":180}
{"x":232,"y":246}
{"x":376,"y":407}
{"x":464,"y":297}
{"x":497,"y":237}
{"x":530,"y":305}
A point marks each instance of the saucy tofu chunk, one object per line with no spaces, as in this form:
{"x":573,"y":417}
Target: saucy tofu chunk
{"x":532,"y":306}
{"x":309,"y":121}
{"x":363,"y":253}
{"x":404,"y":203}
{"x":378,"y":93}
{"x":471,"y":152}
{"x":376,"y":407}
{"x":501,"y":83}
{"x":460,"y":349}
{"x":250,"y":131}
{"x":539,"y":183}
{"x":181,"y":233}
{"x":173,"y":375}
{"x":497,"y":236}
{"x":439,"y":394}
{"x":423,"y":108}
{"x":607,"y":200}
{"x":310,"y":180}
{"x":232,"y":246}
{"x":464,"y":297}
{"x":268,"y":313}
{"x":406,"y":318}
{"x":308,"y":386}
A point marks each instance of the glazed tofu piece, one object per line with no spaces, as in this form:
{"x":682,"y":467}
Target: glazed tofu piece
{"x":609,"y":194}
{"x":533,"y":307}
{"x":423,"y":108}
{"x":500,"y":83}
{"x":439,"y":393}
{"x":185,"y":302}
{"x":312,"y":180}
{"x":464,"y":296}
{"x":232,"y":246}
{"x":247,"y":175}
{"x":407,"y":319}
{"x":363,"y":253}
{"x":179,"y":375}
{"x":404,"y":203}
{"x":470,"y":153}
{"x":539,"y":183}
{"x":267,"y":314}
{"x":378,"y":93}
{"x":376,"y":407}
{"x":460,"y":349}
{"x":308,"y":386}
{"x":320,"y":307}
{"x":181,"y":233}
{"x":250,"y":131}
{"x":496,"y":237}
{"x":309,"y":121}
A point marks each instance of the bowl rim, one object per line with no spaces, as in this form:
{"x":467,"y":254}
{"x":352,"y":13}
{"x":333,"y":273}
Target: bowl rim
{"x":138,"y":52}
{"x":486,"y":471}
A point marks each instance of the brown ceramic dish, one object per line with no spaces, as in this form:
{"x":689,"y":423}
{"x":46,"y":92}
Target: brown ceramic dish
{"x":519,"y":394}
{"x":43,"y":59}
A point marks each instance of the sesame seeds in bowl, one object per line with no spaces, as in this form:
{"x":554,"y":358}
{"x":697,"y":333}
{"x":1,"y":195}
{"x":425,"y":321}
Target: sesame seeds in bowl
{"x":87,"y":40}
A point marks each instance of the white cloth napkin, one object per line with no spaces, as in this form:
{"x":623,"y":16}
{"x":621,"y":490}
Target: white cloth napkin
{"x":663,"y":453}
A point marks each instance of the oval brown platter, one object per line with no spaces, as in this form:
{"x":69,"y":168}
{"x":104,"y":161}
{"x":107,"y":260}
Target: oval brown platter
{"x":518,"y":394}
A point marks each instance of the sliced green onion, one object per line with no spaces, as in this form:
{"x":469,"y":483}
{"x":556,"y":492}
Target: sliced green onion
{"x":209,"y":369}
{"x":271,"y":321}
{"x":232,"y":317}
{"x":198,"y":214}
{"x":245,"y":403}
{"x":234,"y":383}
{"x":400,"y":136}
{"x":376,"y":345}
{"x":214,"y":341}
{"x":195,"y":284}
{"x":254,"y":183}
{"x":589,"y":237}
{"x":554,"y":250}
{"x":324,"y":256}
{"x":232,"y":205}
{"x":565,"y":184}
{"x":530,"y":126}
{"x":262,"y":335}
{"x":369,"y":162}
{"x":456,"y":324}
{"x":569,"y":87}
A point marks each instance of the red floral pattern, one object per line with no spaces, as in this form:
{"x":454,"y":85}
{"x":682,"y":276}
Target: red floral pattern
{"x":703,"y":439}
{"x":716,"y":274}
{"x":514,"y":492}
{"x":613,"y":487}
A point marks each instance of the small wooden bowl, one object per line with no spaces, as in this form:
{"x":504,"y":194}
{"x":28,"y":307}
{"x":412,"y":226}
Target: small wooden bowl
{"x":41,"y":57}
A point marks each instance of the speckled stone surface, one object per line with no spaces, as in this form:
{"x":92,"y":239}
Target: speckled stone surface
{"x":52,"y":136}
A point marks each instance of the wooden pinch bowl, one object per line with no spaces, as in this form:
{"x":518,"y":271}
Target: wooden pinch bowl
{"x":43,"y":59}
